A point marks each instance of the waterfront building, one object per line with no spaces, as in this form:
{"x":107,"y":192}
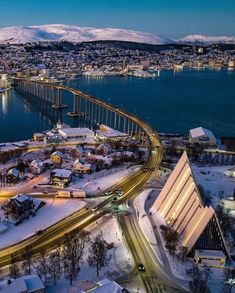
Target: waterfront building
{"x":76,"y":133}
{"x":107,"y":133}
{"x":181,"y":207}
{"x":38,"y":136}
{"x":202,"y":136}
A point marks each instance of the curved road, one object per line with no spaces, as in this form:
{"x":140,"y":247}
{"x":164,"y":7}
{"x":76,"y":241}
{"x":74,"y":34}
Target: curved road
{"x":141,"y":251}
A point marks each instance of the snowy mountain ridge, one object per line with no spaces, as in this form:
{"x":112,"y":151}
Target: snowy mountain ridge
{"x":76,"y":34}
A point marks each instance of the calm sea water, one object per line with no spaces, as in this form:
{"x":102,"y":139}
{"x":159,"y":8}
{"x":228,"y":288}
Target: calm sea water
{"x":174,"y":102}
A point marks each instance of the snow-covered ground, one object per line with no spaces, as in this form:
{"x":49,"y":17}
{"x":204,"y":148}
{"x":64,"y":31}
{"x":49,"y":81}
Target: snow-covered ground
{"x":52,"y":212}
{"x":97,"y":182}
{"x":145,"y":224}
{"x":215,"y":181}
{"x":119,"y":265}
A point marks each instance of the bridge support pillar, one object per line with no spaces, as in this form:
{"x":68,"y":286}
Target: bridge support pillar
{"x":75,"y":112}
{"x":58,"y":100}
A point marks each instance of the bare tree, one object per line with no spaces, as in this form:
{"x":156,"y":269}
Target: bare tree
{"x":172,"y":238}
{"x":98,"y":257}
{"x":27,"y":260}
{"x":54,"y":265}
{"x":42,"y":267}
{"x":183,"y":252}
{"x":14,"y":271}
{"x":199,"y":279}
{"x":73,"y":250}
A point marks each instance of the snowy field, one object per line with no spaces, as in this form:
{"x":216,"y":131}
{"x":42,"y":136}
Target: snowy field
{"x":119,"y":265}
{"x":100,"y":181}
{"x":52,"y":212}
{"x":215,"y":181}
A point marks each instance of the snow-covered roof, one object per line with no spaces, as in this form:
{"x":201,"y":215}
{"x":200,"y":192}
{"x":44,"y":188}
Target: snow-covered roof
{"x":57,"y":153}
{"x":29,"y":283}
{"x":62,"y":173}
{"x":14,"y":286}
{"x":36,"y":162}
{"x":15,"y":172}
{"x":105,"y":286}
{"x":21,"y":197}
{"x":33,"y":283}
{"x":200,"y":131}
{"x":74,"y":132}
{"x":209,"y":253}
{"x":109,"y":132}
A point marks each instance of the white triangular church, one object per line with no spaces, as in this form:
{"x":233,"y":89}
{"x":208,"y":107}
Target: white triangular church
{"x":181,"y":206}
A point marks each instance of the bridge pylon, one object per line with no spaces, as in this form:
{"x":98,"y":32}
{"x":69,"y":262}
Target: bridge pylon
{"x":58,"y":100}
{"x":76,"y":112}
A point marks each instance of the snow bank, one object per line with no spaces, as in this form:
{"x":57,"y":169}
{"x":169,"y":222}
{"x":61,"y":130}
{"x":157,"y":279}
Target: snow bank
{"x":52,"y":212}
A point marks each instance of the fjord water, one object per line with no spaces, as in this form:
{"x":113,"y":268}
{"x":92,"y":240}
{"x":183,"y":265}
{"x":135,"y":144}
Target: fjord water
{"x":174,"y":102}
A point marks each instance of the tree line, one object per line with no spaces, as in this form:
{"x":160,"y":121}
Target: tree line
{"x":64,"y":261}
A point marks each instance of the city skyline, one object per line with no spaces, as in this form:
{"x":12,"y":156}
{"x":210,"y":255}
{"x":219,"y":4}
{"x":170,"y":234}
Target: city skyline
{"x":169,"y":19}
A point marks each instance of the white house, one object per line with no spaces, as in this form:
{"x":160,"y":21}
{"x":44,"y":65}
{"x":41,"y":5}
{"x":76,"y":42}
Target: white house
{"x":202,"y":136}
{"x":76,"y":133}
{"x":80,"y":167}
{"x":36,"y":166}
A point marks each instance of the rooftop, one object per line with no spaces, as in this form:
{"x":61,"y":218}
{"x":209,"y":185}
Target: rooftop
{"x":200,"y":131}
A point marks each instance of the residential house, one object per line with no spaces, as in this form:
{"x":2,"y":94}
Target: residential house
{"x":57,"y":157}
{"x":61,"y":177}
{"x":12,"y":175}
{"x":19,"y":207}
{"x":81,"y":167}
{"x":36,"y":167}
{"x":103,"y":149}
{"x":77,"y":151}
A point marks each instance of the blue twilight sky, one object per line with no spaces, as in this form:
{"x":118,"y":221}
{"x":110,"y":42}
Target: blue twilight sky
{"x":172,"y":18}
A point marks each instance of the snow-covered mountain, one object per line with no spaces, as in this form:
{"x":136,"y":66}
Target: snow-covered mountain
{"x":76,"y":34}
{"x":71,"y":33}
{"x":196,"y":39}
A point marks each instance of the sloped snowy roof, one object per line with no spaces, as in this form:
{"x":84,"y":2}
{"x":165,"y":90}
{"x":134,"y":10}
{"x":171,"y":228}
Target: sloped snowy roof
{"x":15,"y":172}
{"x":21,"y":197}
{"x":61,"y":173}
{"x":200,"y":131}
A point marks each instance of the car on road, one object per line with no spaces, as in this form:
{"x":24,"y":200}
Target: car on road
{"x":114,"y":200}
{"x":145,"y":169}
{"x":109,"y":192}
{"x":119,"y":192}
{"x":94,"y":209}
{"x":116,"y":210}
{"x":141,"y":267}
